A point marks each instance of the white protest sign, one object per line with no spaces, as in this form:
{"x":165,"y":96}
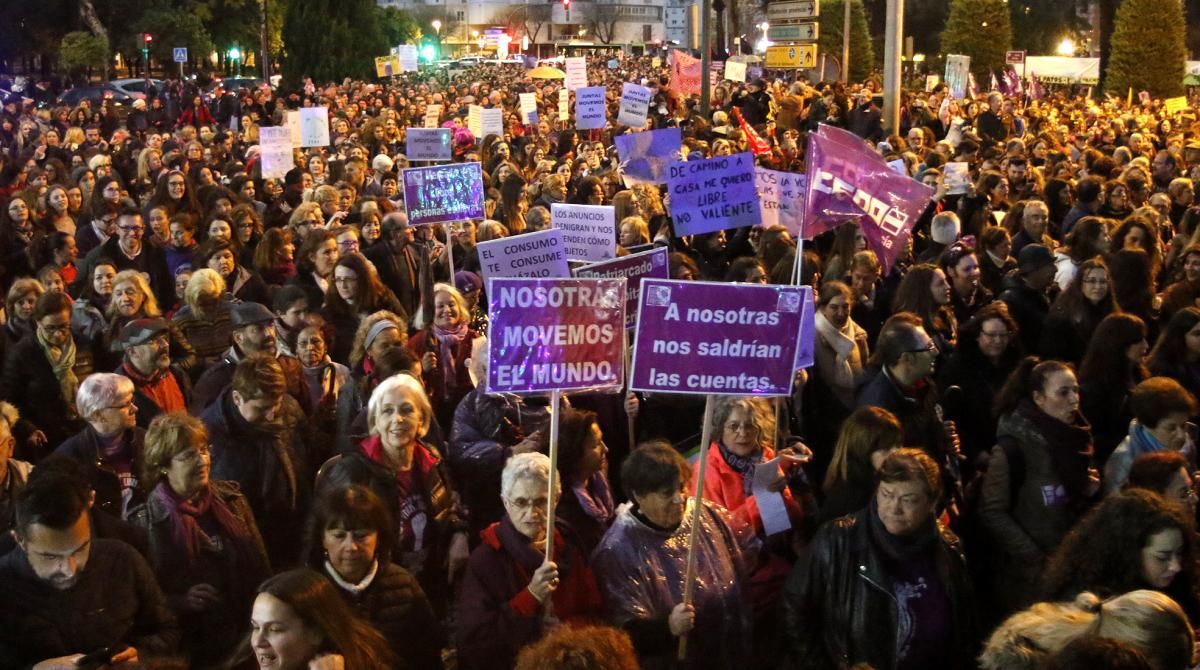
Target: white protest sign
{"x":428,"y":144}
{"x":589,"y":108}
{"x":293,"y":124}
{"x":408,"y":57}
{"x":314,"y":127}
{"x":635,"y":105}
{"x":782,"y":197}
{"x":576,"y":73}
{"x":528,"y":108}
{"x":541,"y":254}
{"x":433,"y":114}
{"x":564,"y":101}
{"x":491,"y":122}
{"x":275,"y":151}
{"x":714,"y":193}
{"x":735,"y":71}
{"x":957,"y":177}
{"x":475,"y":121}
{"x":589,"y":231}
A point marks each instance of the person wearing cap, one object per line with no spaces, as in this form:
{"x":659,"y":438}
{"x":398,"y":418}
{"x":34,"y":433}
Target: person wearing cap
{"x":1025,"y":292}
{"x":160,"y":387}
{"x":398,"y":260}
{"x":253,"y":333}
{"x":470,"y":285}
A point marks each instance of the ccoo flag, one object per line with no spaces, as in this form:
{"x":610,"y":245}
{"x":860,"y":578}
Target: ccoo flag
{"x":849,"y":181}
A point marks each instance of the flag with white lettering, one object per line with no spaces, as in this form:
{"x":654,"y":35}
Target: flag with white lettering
{"x":849,"y":181}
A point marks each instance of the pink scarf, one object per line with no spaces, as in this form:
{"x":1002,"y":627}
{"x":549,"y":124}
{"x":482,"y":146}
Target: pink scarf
{"x":448,"y":341}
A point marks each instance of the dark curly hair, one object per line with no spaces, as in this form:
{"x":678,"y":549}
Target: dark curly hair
{"x":1103,"y":552}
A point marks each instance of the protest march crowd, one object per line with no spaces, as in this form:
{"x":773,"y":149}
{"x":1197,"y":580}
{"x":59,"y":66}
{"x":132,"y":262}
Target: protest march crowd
{"x":245,"y":419}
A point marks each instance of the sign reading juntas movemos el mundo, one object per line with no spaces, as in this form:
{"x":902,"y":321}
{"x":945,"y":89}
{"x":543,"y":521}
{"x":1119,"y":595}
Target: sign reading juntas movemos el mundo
{"x":555,"y":334}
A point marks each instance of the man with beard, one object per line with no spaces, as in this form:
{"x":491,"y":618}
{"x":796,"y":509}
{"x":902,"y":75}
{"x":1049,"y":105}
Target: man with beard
{"x":71,"y":592}
{"x":1163,"y":169}
{"x":159,"y":386}
{"x":253,"y":333}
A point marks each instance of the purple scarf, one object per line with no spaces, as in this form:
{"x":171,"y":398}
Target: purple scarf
{"x":595,"y":497}
{"x":185,"y":524}
{"x":448,"y":341}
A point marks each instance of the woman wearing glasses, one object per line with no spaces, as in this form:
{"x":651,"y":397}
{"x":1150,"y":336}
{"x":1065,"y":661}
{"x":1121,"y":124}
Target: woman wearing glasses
{"x":204,"y":545}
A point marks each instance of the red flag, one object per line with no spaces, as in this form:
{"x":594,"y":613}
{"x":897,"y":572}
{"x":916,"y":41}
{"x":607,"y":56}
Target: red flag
{"x":758,"y":146}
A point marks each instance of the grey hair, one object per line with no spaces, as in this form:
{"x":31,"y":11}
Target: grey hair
{"x":531,"y":465}
{"x":101,"y":390}
{"x":759,"y":409}
{"x":394,"y":383}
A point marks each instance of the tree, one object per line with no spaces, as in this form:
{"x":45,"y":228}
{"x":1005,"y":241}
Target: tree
{"x":399,"y":27}
{"x":980,"y":29}
{"x":331,"y":39}
{"x":171,"y":28}
{"x":525,"y":19}
{"x":1148,"y":49}
{"x":1038,"y":25}
{"x":862,"y":55}
{"x":601,"y":20}
{"x":81,"y":50}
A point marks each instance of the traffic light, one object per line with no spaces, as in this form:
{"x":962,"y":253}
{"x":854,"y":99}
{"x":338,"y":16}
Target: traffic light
{"x":147,"y":38}
{"x":566,"y":4}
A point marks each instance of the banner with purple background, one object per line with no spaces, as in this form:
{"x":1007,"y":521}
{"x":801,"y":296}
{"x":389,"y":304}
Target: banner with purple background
{"x":634,"y":267}
{"x":849,"y":181}
{"x":441,"y":193}
{"x":712,"y":337}
{"x":564,"y":334}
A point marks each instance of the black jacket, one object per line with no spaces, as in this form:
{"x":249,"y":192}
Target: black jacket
{"x":28,"y":382}
{"x":152,"y":262}
{"x":1029,"y":308}
{"x":270,"y":465}
{"x":839,"y":605}
{"x":115,"y":601}
{"x":84,"y":447}
{"x":399,"y":271}
{"x":397,"y":607}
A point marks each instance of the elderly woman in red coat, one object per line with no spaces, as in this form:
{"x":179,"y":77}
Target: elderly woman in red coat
{"x":744,"y":430}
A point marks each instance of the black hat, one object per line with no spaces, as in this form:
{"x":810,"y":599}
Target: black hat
{"x":140,"y":331}
{"x":1034,"y":257}
{"x":250,"y":313}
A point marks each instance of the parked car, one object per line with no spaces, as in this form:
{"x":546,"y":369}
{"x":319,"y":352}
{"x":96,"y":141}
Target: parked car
{"x":96,"y":92}
{"x":137,"y":87}
{"x":219,"y":86}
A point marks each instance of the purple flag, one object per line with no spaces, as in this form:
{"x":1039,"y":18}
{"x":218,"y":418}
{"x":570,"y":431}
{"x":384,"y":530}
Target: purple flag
{"x":995,"y":85}
{"x":848,"y":181}
{"x":1036,"y":90}
{"x":972,"y":89}
{"x":1015,"y":87}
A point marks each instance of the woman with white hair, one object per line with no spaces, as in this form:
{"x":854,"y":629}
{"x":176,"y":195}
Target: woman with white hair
{"x":509,"y":587}
{"x":431,"y":538}
{"x":111,"y":444}
{"x":1147,"y":620}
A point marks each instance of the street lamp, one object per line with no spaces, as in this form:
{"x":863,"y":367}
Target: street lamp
{"x":764,"y":42}
{"x":1066,"y":47}
{"x":437,"y":27}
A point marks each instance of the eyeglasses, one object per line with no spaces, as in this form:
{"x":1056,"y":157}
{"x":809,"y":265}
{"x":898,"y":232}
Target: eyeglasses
{"x":932,"y":347}
{"x":194,"y":455}
{"x":997,"y":335}
{"x":64,"y":328}
{"x":747,"y":428}
{"x":524,"y":504}
{"x":132,"y":229}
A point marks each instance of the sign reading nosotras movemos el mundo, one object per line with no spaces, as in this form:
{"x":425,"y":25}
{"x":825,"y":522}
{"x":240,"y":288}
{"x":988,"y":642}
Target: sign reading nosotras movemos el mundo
{"x":555,"y":334}
{"x":713,"y":194}
{"x":541,"y":254}
{"x":428,"y":144}
{"x":634,"y":268}
{"x":589,"y":231}
{"x":710,"y":337}
{"x":442,"y":193}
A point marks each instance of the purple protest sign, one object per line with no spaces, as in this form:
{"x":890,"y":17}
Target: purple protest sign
{"x":847,"y":180}
{"x":555,"y":334}
{"x":441,"y":193}
{"x":710,"y":337}
{"x":714,"y":194}
{"x":634,"y":267}
{"x":806,"y":352}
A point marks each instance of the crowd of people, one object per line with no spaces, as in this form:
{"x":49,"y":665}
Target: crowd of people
{"x":242,"y":422}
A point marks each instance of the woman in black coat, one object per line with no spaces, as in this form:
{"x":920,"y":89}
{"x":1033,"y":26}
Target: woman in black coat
{"x":348,"y":540}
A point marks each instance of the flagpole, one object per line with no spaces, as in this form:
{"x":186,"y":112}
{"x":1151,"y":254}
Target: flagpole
{"x":893,"y":34}
{"x":705,"y":59}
